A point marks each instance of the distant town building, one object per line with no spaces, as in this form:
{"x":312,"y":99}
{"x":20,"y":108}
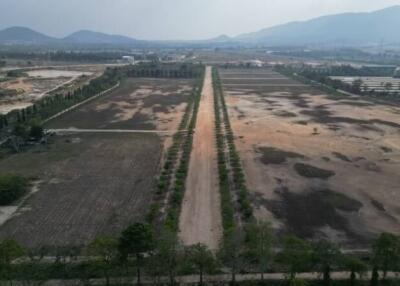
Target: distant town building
{"x":397,"y":73}
{"x":129,"y":59}
{"x":174,"y":58}
{"x":254,"y":63}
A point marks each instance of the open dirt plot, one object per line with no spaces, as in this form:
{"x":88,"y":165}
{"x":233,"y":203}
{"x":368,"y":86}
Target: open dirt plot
{"x":89,"y":185}
{"x":42,"y":82}
{"x":147,"y":104}
{"x":316,"y":165}
{"x":200,"y":220}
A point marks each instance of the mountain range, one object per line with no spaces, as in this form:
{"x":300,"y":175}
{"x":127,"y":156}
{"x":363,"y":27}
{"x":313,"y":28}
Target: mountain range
{"x":23,"y":35}
{"x":348,"y":29}
{"x":341,"y":29}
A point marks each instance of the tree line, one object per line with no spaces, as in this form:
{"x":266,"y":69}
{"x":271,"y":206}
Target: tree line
{"x":160,"y":70}
{"x":175,"y":167}
{"x":139,"y":252}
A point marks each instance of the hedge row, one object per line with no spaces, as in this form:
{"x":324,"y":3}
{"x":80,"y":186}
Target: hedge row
{"x":178,"y":191}
{"x":234,"y":159}
{"x":174,"y":171}
{"x":227,"y":206}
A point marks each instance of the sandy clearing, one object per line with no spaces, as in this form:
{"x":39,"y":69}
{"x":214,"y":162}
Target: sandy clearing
{"x":273,"y":117}
{"x":56,"y":73}
{"x":200,"y":220}
{"x":18,"y":84}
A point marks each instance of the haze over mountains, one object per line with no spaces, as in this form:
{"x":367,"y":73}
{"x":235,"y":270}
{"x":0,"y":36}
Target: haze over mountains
{"x":345,"y":29}
{"x":23,"y":35}
{"x":348,"y":29}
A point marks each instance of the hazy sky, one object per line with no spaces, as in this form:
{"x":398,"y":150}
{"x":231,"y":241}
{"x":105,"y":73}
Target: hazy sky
{"x":170,"y":19}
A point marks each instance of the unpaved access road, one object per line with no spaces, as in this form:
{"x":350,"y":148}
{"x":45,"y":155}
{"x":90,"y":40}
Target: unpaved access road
{"x":200,"y":220}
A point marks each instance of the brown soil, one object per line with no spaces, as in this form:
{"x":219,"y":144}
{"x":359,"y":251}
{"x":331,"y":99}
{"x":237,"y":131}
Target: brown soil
{"x":200,"y":220}
{"x":91,"y":185}
{"x":348,"y":136}
{"x":137,"y":104}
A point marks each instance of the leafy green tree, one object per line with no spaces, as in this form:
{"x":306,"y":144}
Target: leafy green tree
{"x":167,"y":257}
{"x":356,"y":266}
{"x":259,"y":241}
{"x":21,"y":130}
{"x":386,"y":253}
{"x":232,"y":251}
{"x":104,"y":251}
{"x":298,"y":282}
{"x":12,"y":188}
{"x":9,"y":251}
{"x":325,"y":255}
{"x":36,"y":130}
{"x":201,"y":259}
{"x":135,"y":241}
{"x":65,"y":256}
{"x":375,"y":277}
{"x":295,"y":256}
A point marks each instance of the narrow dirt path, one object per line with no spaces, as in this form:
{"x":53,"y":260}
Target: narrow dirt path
{"x":200,"y":220}
{"x":77,"y":130}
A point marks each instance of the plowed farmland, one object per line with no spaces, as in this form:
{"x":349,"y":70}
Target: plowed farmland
{"x":88,"y":183}
{"x":317,"y":165}
{"x":88,"y":187}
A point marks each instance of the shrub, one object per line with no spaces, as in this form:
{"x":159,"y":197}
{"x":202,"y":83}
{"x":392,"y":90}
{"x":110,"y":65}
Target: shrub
{"x":12,"y":188}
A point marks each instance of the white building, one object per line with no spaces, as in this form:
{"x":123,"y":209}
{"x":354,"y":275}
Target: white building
{"x":128,"y":59}
{"x":397,"y":73}
{"x":254,"y":63}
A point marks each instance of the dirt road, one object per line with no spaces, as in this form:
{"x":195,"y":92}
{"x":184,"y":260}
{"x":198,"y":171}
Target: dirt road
{"x":200,"y":220}
{"x":217,"y":279}
{"x":77,"y":130}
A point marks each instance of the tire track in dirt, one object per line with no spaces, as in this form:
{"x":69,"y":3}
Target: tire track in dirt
{"x":200,"y":220}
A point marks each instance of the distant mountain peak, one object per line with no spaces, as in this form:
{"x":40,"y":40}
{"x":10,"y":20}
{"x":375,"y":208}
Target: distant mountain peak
{"x":19,"y":34}
{"x":90,"y":37}
{"x":347,"y":29}
{"x":23,"y":35}
{"x":222,"y":38}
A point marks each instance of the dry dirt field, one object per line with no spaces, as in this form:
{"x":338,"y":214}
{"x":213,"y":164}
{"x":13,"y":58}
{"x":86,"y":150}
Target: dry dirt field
{"x":41,"y":82}
{"x":87,"y":187}
{"x":143,"y":104}
{"x":90,"y":183}
{"x":316,"y":165}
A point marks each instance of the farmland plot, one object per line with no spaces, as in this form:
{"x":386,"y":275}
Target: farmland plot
{"x":90,"y":183}
{"x":316,"y":165}
{"x":144,"y":104}
{"x":88,"y":187}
